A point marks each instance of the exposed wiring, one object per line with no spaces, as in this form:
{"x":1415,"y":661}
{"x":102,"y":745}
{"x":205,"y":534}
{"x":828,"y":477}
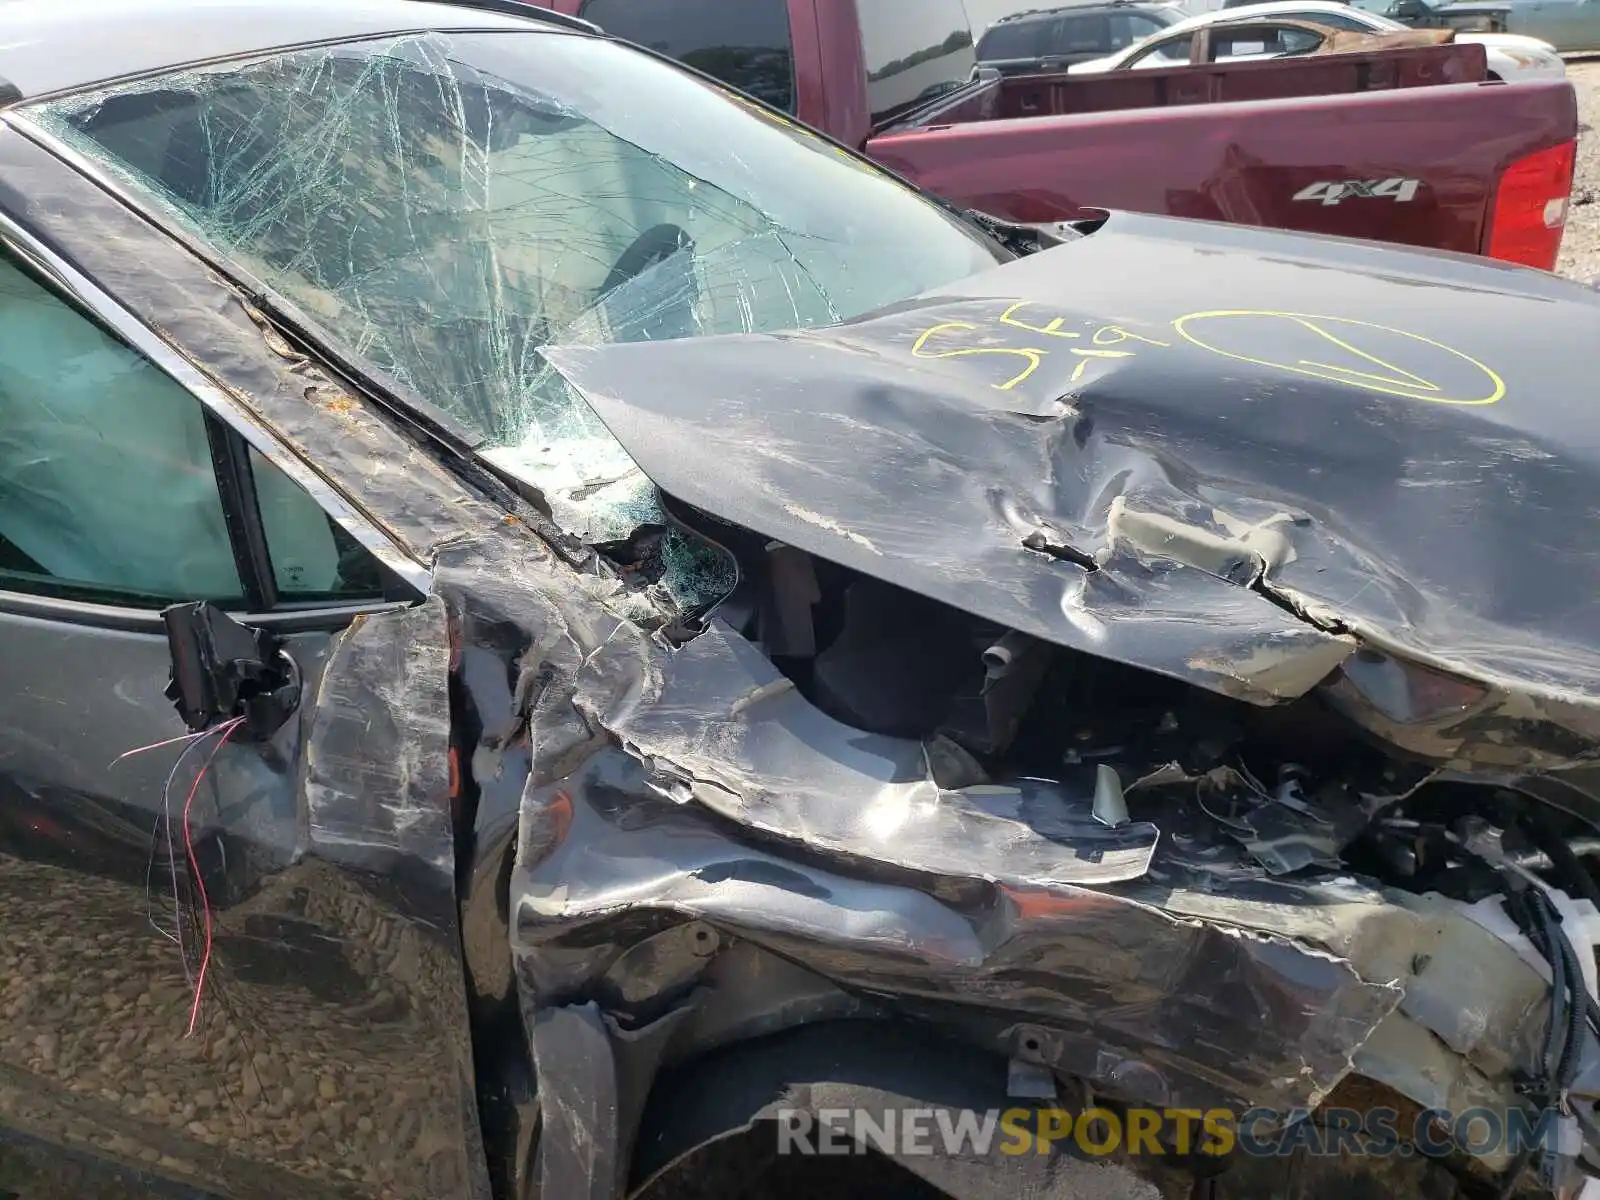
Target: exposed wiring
{"x":1577,"y":1010}
{"x":171,"y":741}
{"x":189,"y":742}
{"x":1524,"y":907}
{"x":227,"y":732}
{"x":1573,"y":1006}
{"x":172,"y":846}
{"x":1573,"y":873}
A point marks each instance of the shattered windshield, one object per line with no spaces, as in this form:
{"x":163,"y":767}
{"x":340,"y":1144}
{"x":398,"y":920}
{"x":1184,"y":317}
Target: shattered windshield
{"x":445,"y":206}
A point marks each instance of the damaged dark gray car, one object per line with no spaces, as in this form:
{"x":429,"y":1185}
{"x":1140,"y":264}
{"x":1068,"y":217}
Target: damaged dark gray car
{"x":708,"y":674}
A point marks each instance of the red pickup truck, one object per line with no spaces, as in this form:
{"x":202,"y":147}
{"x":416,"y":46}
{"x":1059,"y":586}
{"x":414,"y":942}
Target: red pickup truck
{"x":1408,"y":145}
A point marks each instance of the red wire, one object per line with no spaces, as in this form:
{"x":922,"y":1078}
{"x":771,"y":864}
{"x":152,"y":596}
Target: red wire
{"x":194,"y":870}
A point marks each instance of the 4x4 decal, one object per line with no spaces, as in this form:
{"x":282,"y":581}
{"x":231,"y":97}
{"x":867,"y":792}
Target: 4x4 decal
{"x":1331,"y":192}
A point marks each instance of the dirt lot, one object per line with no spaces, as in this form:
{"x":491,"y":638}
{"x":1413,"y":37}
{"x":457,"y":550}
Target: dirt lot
{"x":1580,"y":257}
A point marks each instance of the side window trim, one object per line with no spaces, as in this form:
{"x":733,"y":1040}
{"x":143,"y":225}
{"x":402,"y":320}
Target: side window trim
{"x":230,"y":457}
{"x":1186,"y":39}
{"x":240,"y":431}
{"x":323,"y":617}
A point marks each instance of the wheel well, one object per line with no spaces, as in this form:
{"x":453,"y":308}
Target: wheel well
{"x":721,"y":1097}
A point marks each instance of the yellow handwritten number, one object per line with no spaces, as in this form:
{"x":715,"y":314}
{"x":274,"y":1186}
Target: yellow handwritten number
{"x":1106,"y":335}
{"x":1033,"y":357}
{"x":1051,"y":327}
{"x":1115,"y":335}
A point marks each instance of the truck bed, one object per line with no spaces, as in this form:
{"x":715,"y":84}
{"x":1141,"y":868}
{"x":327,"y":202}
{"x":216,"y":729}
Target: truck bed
{"x":1398,"y":145}
{"x":1420,"y":165}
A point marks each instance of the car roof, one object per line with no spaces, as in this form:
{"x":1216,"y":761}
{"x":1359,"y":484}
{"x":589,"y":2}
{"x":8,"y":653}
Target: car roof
{"x":61,"y":45}
{"x":1087,"y":6}
{"x":1278,"y":8}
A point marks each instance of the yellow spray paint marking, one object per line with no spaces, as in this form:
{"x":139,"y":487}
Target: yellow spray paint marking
{"x":1434,"y":372}
{"x":1104,"y":335}
{"x":1077,"y":372}
{"x":1033,"y":356}
{"x":1114,"y":335}
{"x":1051,"y":327}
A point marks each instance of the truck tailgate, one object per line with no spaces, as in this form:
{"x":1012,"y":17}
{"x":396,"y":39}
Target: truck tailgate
{"x":1450,"y":167}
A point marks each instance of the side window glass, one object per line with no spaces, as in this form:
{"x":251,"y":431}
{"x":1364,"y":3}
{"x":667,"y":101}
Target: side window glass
{"x":1174,"y":52}
{"x":1262,"y":41}
{"x":1296,"y":41}
{"x":1248,"y":43}
{"x":915,"y":50}
{"x":107,"y":488}
{"x":1088,"y":34}
{"x":313,"y":558}
{"x":744,"y":43}
{"x":1128,"y":28}
{"x":1019,"y":39}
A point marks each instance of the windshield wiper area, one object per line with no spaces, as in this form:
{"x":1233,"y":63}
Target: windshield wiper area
{"x":450,"y":442}
{"x":1022,"y":240}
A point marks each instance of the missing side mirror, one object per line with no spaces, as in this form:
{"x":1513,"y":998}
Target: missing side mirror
{"x":222,"y":670}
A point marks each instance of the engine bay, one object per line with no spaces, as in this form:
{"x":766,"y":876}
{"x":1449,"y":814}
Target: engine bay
{"x":1296,"y":793}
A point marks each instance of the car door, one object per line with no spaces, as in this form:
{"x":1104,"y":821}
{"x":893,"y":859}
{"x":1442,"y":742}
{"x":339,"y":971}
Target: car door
{"x":192,"y":999}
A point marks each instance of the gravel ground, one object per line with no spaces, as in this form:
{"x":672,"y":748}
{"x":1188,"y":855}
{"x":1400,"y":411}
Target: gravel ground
{"x":1580,"y":250}
{"x":345,"y":1078}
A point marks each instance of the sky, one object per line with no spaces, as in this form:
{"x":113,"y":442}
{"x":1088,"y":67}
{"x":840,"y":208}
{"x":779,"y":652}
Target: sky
{"x":984,"y":13}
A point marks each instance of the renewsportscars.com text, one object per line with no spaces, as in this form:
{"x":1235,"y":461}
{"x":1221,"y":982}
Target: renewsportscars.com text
{"x":1373,"y":1132}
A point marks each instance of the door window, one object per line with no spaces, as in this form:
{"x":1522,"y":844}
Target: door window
{"x":1174,"y":52}
{"x":915,"y":51}
{"x":108,"y":488}
{"x":106,"y":482}
{"x":1262,"y":41}
{"x":744,"y":43}
{"x":1130,"y":27}
{"x":313,"y":557}
{"x":1086,"y":34}
{"x":1015,"y":39}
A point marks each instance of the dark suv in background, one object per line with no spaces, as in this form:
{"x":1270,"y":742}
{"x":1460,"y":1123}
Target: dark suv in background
{"x":1053,"y":39}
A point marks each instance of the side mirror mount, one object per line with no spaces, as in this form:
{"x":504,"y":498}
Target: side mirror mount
{"x":222,"y":670}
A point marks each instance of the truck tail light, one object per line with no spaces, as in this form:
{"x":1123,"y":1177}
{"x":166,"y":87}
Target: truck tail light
{"x":1530,"y":207}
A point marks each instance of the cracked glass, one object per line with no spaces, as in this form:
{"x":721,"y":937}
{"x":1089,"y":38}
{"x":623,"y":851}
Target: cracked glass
{"x":446,"y":206}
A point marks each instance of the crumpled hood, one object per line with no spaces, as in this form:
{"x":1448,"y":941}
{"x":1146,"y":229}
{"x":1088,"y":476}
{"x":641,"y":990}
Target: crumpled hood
{"x":1224,"y":454}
